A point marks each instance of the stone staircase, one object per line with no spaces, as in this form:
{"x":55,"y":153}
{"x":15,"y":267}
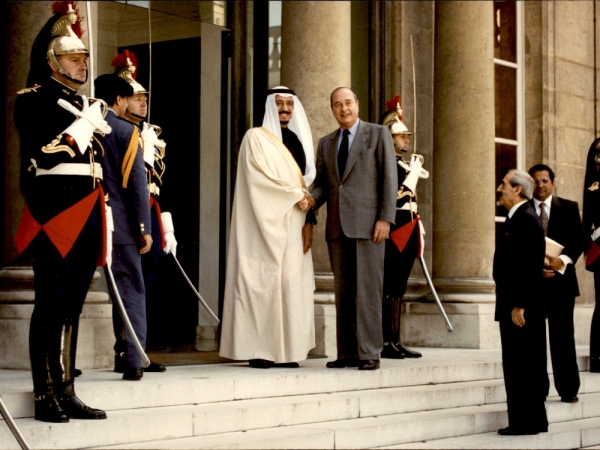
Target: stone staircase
{"x":450,"y":398}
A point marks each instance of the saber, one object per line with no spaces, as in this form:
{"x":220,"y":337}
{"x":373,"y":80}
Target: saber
{"x":412,"y":53}
{"x":437,"y":299}
{"x":12,"y":426}
{"x":196,"y":291}
{"x":88,"y":9}
{"x":112,"y":286}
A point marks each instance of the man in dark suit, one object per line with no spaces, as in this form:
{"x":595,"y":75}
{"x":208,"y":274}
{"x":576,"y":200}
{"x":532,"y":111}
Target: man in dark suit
{"x":356,"y":176}
{"x":125,"y":179}
{"x":561,"y":222}
{"x":518,"y":266}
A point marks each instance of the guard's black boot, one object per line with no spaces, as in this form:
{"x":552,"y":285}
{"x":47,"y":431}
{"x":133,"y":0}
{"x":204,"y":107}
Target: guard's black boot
{"x":48,"y":409}
{"x":70,"y":403}
{"x":391,"y":352}
{"x":121,"y":362}
{"x":594,"y":364}
{"x":44,"y":353}
{"x":75,"y":408}
{"x":407,"y":352}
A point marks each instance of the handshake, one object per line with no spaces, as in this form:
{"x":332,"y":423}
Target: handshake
{"x":307,"y":202}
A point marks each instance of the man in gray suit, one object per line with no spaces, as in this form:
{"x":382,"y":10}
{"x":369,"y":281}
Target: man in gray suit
{"x":356,"y":176}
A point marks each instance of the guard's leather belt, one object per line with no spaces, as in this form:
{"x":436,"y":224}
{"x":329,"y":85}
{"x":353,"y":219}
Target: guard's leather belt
{"x":89,"y":170}
{"x":407,"y":207}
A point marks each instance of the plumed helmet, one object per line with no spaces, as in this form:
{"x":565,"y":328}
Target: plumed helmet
{"x":60,"y":35}
{"x":392,"y":118}
{"x":125,"y":65}
{"x":65,"y":35}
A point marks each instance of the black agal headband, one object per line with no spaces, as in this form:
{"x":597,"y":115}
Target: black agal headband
{"x":280,"y":91}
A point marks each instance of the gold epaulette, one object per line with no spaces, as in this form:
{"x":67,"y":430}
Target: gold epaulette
{"x":33,"y":88}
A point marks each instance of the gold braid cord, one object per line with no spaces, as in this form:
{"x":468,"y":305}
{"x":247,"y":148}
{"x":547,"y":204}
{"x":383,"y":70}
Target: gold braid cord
{"x":53,"y":147}
{"x":129,"y":157}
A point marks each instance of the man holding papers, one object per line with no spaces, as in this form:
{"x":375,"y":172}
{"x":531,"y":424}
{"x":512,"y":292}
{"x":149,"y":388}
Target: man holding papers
{"x":562,"y":223}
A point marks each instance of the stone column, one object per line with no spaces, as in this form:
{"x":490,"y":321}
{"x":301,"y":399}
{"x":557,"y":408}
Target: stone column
{"x":315,"y":59}
{"x":464,"y":145}
{"x":463,"y":177}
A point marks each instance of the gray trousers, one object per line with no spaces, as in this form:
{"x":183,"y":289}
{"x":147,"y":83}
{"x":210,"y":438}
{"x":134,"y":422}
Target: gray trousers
{"x":358,"y":279}
{"x":127,"y":270}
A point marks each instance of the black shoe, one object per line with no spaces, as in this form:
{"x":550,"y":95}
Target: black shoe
{"x":133,"y":373}
{"x":594,"y":364}
{"x":77,"y":372}
{"x":76,"y":409}
{"x":153,"y":367}
{"x":289,"y":365}
{"x":340,"y":363}
{"x":260,"y":363}
{"x":407,"y":352}
{"x":369,"y":364}
{"x":570,"y":399}
{"x":513,"y":431}
{"x":121,"y":363}
{"x":390,"y":351}
{"x":48,"y":409}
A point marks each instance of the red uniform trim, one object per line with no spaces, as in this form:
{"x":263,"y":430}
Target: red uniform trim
{"x":401,"y":235}
{"x":64,"y":228}
{"x":154,"y":205}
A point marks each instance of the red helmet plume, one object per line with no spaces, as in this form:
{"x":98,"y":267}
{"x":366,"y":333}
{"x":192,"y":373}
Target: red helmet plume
{"x":120,"y":62}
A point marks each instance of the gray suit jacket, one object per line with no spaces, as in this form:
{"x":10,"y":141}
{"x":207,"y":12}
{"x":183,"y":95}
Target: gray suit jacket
{"x":367,"y":191}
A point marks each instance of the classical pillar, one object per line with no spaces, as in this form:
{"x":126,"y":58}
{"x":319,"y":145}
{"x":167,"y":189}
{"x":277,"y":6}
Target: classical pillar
{"x":463,"y":178}
{"x":315,"y":59}
{"x":464,"y":147}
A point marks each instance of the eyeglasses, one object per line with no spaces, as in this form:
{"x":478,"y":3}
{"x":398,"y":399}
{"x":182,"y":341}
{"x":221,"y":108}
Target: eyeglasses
{"x":541,"y":181}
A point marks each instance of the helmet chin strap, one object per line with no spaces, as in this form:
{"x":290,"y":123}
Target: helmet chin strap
{"x":64,"y":73}
{"x":134,"y":116}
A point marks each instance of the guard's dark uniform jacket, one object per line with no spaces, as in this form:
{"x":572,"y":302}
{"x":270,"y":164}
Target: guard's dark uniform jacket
{"x":398,"y":264}
{"x":57,"y":205}
{"x":61,"y":228}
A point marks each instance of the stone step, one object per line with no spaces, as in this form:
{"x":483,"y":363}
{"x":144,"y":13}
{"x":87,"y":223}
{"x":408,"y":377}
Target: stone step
{"x":220,"y":383}
{"x":449,"y":388}
{"x":582,"y":433}
{"x":366,"y":418}
{"x":409,"y":428}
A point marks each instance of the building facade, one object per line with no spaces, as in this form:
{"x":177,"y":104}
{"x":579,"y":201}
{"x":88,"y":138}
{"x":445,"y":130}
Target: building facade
{"x":486,"y":86}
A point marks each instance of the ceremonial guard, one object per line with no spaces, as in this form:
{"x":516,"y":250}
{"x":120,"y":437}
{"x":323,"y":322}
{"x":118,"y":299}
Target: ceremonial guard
{"x":163,"y":237}
{"x":61,"y":228}
{"x":125,"y":182}
{"x":405,"y":243}
{"x":591,"y":228}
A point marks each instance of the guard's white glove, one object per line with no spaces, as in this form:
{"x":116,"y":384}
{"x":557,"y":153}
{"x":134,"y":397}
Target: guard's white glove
{"x":110,"y":227}
{"x":89,"y":120}
{"x":151,"y":141}
{"x":416,"y":163}
{"x":169,"y":233}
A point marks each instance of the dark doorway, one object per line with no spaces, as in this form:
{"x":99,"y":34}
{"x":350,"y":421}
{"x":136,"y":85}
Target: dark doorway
{"x":175,"y":107}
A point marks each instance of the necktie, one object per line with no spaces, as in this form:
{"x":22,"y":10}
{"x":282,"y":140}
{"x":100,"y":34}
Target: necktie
{"x":342,"y":156}
{"x":544,"y":217}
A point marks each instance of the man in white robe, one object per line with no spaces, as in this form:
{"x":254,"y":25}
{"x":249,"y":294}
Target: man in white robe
{"x":268,"y":307}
